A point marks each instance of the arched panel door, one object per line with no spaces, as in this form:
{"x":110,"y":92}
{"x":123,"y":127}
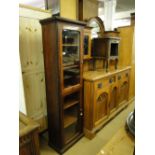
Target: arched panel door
{"x":113,"y":99}
{"x":101,"y":106}
{"x":123,"y":93}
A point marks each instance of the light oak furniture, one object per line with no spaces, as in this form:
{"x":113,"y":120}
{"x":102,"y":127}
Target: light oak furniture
{"x":28,"y":136}
{"x":105,"y":94}
{"x":63,"y":59}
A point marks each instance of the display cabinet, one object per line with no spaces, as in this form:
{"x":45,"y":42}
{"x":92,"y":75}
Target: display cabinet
{"x":63,"y":58}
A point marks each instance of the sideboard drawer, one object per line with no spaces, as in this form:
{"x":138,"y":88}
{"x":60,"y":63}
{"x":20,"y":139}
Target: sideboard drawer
{"x":101,"y":83}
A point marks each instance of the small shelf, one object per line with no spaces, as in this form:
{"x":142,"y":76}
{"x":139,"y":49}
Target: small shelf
{"x":69,"y":120}
{"x":70,"y":103}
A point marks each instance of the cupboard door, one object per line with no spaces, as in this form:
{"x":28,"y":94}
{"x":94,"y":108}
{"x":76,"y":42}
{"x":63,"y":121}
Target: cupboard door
{"x":101,"y":106}
{"x":123,"y":92}
{"x":113,"y":98}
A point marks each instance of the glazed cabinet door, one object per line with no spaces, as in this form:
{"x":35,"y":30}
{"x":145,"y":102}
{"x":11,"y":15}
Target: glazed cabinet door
{"x":71,"y":58}
{"x":71,"y":81}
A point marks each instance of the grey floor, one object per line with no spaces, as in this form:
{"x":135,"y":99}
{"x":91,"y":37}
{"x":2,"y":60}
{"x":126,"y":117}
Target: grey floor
{"x":91,"y":147}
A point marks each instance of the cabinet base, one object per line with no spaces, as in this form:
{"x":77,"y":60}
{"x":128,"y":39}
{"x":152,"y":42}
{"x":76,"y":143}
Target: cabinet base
{"x":67,"y":146}
{"x":90,"y":134}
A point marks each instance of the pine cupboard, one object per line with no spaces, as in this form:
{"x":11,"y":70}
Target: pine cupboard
{"x":63,"y":59}
{"x":105,"y":94}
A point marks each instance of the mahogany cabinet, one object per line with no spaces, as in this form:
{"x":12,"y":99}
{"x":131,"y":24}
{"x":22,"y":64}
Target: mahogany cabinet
{"x":63,"y":59}
{"x":105,"y":94}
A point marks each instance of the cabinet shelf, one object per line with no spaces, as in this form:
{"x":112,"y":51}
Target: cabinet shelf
{"x":69,"y":120}
{"x":70,"y":103}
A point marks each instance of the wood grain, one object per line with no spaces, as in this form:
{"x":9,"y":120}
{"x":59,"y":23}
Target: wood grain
{"x":32,"y":63}
{"x":105,"y":94}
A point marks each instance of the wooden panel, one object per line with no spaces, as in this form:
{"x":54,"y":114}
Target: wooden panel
{"x":113,"y":98}
{"x":88,"y":105}
{"x":127,"y":53}
{"x":132,"y":74}
{"x":86,"y":7}
{"x":34,"y":87}
{"x":101,"y":106}
{"x":123,"y":92}
{"x":32,"y":12}
{"x":32,"y":65}
{"x":68,"y":9}
{"x":126,"y":35}
{"x":31,"y":50}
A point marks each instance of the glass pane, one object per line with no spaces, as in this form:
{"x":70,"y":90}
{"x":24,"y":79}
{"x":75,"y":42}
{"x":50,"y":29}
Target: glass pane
{"x":71,"y":76}
{"x":86,"y":39}
{"x":71,"y":57}
{"x":71,"y":47}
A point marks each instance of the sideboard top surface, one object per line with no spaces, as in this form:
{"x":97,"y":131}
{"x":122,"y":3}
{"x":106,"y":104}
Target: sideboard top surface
{"x":99,"y":74}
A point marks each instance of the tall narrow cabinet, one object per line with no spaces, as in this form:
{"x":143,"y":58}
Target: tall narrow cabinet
{"x":63,"y":45}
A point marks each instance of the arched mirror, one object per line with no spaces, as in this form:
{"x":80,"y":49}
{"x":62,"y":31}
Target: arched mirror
{"x":97,"y":27}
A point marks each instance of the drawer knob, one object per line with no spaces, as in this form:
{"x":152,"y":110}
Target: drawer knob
{"x":99,"y":85}
{"x":110,"y":80}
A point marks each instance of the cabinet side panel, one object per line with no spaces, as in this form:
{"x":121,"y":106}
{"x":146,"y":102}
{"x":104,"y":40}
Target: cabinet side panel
{"x":88,"y":105}
{"x":52,"y":82}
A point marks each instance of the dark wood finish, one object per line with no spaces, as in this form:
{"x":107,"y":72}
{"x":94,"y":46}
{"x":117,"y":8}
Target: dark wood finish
{"x":28,"y":136}
{"x":87,"y":43}
{"x":63,"y":20}
{"x":64,"y":99}
{"x":105,"y":95}
{"x":108,"y":48}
